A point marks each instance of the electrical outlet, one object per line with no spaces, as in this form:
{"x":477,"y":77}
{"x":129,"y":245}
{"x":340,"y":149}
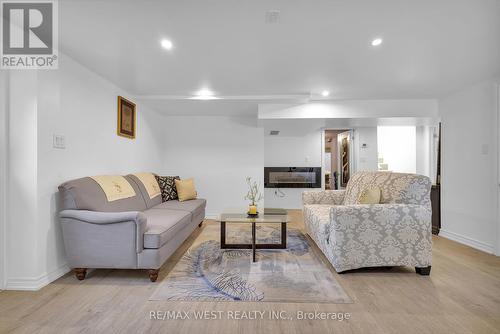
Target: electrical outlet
{"x":59,"y":141}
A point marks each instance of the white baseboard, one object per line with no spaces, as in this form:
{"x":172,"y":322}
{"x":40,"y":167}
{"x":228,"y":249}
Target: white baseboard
{"x":36,"y":283}
{"x":211,"y":216}
{"x":484,"y":247}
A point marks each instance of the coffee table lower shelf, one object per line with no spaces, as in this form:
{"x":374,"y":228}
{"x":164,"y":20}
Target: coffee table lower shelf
{"x":254,"y":245}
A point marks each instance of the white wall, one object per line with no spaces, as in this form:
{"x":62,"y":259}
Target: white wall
{"x":219,"y":152}
{"x":80,"y":105}
{"x":4,"y":101}
{"x":469,"y":166}
{"x":22,"y":227}
{"x":351,"y":109}
{"x":427,"y":144}
{"x":423,"y":154}
{"x":297,"y":145}
{"x":397,"y":146}
{"x":366,"y":158}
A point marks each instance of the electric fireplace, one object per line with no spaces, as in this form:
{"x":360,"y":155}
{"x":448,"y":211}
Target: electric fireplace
{"x":292,"y":177}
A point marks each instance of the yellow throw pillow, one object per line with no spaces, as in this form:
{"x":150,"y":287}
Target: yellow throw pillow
{"x":370,"y":196}
{"x":185,"y":189}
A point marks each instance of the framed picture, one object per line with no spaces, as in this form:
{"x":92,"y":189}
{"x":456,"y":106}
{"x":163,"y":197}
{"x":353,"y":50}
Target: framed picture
{"x":126,"y":118}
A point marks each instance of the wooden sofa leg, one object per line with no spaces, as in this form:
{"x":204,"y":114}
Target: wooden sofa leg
{"x":153,"y":274}
{"x":424,"y":271}
{"x":199,"y":225}
{"x":80,"y":273}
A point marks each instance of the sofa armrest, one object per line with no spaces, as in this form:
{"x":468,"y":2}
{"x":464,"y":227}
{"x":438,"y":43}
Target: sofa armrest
{"x":107,"y":219}
{"x":331,"y":197}
{"x":95,"y":217}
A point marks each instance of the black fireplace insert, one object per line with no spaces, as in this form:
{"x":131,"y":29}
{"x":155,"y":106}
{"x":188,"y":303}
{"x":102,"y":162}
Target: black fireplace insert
{"x":292,"y":177}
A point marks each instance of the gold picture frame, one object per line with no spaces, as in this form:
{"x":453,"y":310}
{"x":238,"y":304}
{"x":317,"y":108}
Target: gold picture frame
{"x":127,"y":116}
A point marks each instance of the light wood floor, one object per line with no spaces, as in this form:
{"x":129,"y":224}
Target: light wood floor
{"x":462,"y":295}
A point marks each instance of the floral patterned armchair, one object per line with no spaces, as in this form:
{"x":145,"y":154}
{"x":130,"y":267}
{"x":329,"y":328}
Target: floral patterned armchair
{"x":396,"y":232}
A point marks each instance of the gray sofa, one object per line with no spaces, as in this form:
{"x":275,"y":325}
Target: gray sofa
{"x":132,"y":233}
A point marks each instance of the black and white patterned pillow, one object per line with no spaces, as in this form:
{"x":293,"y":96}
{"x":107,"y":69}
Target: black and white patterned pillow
{"x":167,"y":187}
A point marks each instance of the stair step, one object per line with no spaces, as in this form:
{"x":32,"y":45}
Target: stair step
{"x":383,"y":167}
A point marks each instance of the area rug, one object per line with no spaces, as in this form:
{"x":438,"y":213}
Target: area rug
{"x":208,"y":273}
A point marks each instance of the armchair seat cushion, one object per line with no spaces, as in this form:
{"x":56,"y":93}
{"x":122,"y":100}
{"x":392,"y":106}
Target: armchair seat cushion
{"x":163,"y":225}
{"x":194,"y":206}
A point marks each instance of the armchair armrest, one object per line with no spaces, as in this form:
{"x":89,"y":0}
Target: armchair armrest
{"x":379,"y":235}
{"x":106,"y":219}
{"x":386,"y":215}
{"x":332,"y":197}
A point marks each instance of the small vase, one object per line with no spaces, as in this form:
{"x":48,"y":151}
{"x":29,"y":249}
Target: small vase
{"x":252,"y":210}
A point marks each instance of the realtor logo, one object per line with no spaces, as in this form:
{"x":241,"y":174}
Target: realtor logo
{"x":29,"y":35}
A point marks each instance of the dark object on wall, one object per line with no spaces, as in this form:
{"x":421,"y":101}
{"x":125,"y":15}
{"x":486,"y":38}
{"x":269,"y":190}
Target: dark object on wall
{"x":436,"y":191}
{"x":436,"y":208}
{"x":126,"y":118}
{"x":292,"y":177}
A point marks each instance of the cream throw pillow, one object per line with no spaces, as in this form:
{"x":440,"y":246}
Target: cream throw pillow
{"x":185,"y":189}
{"x":370,"y":196}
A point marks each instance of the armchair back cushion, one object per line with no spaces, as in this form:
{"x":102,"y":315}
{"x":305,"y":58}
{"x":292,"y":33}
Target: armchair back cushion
{"x":395,"y":188}
{"x":86,"y":194}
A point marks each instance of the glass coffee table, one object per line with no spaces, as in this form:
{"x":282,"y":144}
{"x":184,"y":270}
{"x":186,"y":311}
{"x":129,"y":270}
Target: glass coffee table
{"x":271,"y":216}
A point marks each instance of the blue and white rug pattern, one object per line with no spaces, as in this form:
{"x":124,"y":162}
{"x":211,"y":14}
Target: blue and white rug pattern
{"x":208,"y":273}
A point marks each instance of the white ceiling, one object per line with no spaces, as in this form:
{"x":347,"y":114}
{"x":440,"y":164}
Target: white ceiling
{"x":430,"y":48}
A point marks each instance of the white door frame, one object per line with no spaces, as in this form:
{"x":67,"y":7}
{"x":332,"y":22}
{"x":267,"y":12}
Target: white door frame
{"x":497,"y":139}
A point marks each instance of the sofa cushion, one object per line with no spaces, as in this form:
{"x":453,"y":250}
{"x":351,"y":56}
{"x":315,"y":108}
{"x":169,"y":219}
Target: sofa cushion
{"x":167,"y":187}
{"x":86,"y":194}
{"x":163,"y":225}
{"x":185,"y":189}
{"x":370,"y":196}
{"x":195,"y":206}
{"x":150,"y":202}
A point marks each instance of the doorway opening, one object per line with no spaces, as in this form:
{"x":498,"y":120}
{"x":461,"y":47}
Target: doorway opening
{"x":338,"y":153}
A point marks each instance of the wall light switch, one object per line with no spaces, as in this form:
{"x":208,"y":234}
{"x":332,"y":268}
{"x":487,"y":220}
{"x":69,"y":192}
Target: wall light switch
{"x":59,"y":141}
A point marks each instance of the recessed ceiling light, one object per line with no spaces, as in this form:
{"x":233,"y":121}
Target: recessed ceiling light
{"x":204,"y":94}
{"x":377,"y":42}
{"x":325,"y":93}
{"x":167,"y":44}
